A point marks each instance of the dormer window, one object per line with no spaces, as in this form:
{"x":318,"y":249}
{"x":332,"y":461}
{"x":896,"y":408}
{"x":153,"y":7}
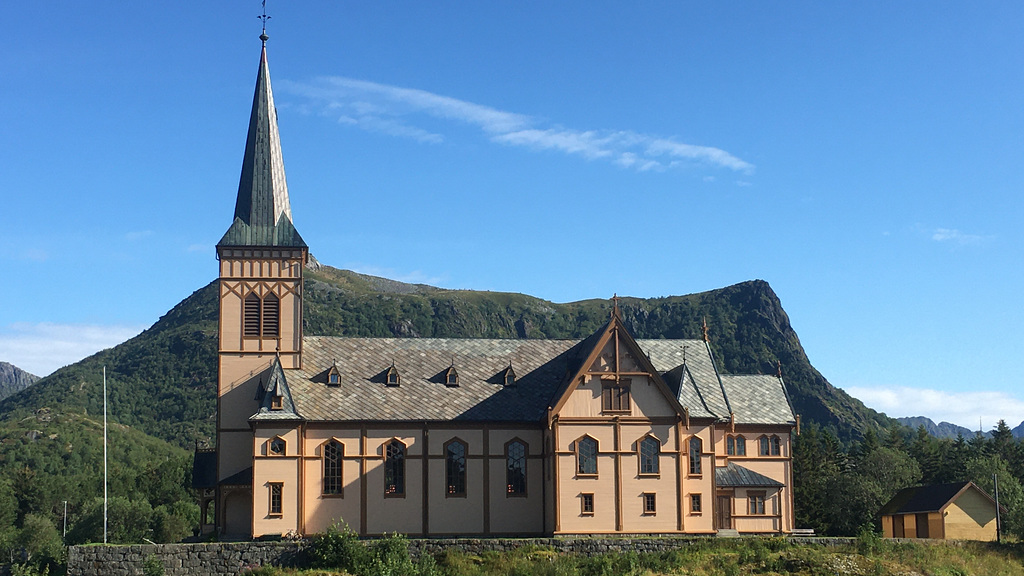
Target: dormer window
{"x":277,"y":402}
{"x":510,"y":376}
{"x":333,"y":376}
{"x":393,"y":377}
{"x":451,"y":377}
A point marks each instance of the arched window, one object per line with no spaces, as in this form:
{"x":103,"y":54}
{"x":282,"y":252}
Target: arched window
{"x":333,"y":452}
{"x":764,"y":449}
{"x":696,"y":447}
{"x":515,"y":468}
{"x":775,"y":446}
{"x":455,"y":468}
{"x":736,"y":446}
{"x":650,"y":451}
{"x":586,"y":456}
{"x":394,"y":469}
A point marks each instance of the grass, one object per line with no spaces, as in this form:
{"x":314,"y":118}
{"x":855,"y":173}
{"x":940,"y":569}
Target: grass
{"x":748,"y":556}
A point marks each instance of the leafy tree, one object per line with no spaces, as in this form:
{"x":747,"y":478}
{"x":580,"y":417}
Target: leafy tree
{"x":39,"y":542}
{"x":1011,"y":494}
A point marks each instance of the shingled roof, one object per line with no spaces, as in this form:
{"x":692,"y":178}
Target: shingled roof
{"x":263,"y":214}
{"x":758,"y":399}
{"x":733,"y":475}
{"x":542,"y":369}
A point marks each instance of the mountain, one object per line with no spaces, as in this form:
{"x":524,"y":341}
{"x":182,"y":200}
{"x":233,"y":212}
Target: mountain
{"x":14,"y":379}
{"x":940,"y":430}
{"x":1018,"y":432}
{"x":163,"y":381}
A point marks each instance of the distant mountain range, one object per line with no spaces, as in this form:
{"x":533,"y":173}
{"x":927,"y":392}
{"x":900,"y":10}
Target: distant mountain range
{"x":14,"y":379}
{"x":949,"y":430}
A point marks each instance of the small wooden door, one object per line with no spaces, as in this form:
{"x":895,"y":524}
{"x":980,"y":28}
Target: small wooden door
{"x":897,"y":526}
{"x":922,"y":525}
{"x":723,"y":513}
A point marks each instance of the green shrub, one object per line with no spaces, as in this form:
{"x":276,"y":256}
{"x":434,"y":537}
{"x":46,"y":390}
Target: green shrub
{"x":152,"y":566}
{"x":338,"y":547}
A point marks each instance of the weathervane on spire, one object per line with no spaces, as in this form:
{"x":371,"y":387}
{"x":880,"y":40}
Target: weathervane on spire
{"x":264,"y":19}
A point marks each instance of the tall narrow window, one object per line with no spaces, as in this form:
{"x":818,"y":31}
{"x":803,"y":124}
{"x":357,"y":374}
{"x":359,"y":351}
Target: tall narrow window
{"x":394,"y":469}
{"x":775,"y":446}
{"x":764,"y":448}
{"x":695,"y":454}
{"x":650,"y":450}
{"x":586,"y":456}
{"x":515,"y":468}
{"x":333,"y":453}
{"x":271,"y":316}
{"x":251,"y":314}
{"x":615,"y":395}
{"x":455,"y":468}
{"x":276,"y":497}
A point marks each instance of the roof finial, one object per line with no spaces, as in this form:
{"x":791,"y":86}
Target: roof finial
{"x":615,"y":306}
{"x":704,"y":328}
{"x":264,"y":18}
{"x":780,"y":368}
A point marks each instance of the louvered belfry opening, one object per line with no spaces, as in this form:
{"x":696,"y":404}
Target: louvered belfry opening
{"x":251,"y":314}
{"x":271,"y":315}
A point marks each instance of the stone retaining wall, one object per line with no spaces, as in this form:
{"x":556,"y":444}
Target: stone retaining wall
{"x":231,"y":558}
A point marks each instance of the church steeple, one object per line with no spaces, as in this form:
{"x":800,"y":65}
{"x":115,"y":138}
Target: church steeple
{"x":263,"y":215}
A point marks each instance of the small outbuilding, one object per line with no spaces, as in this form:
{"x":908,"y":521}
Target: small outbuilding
{"x":956,"y":511}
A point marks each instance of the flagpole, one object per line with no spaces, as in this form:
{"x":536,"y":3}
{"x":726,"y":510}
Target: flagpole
{"x":104,"y":454}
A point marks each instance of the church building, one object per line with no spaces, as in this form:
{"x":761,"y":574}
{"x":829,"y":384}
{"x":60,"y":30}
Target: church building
{"x":466,"y":437}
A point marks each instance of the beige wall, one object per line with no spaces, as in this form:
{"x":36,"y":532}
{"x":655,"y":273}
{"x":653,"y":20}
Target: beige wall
{"x":971,"y":517}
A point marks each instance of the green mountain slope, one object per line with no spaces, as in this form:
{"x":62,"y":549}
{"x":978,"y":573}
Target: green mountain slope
{"x":163,"y":381}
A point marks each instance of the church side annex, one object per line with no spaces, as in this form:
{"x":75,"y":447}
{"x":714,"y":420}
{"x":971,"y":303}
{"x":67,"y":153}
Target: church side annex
{"x":466,"y":437}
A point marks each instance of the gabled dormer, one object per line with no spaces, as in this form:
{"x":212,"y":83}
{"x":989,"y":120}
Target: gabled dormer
{"x":615,"y":378}
{"x":451,"y":376}
{"x":508,"y":377}
{"x":334,"y":375}
{"x":392,"y":377}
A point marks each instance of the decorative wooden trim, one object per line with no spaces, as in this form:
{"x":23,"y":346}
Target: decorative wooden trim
{"x":362,"y":481}
{"x":486,"y":480}
{"x":554,"y":471}
{"x":425,"y":490}
{"x":617,"y":432}
{"x":679,"y":475}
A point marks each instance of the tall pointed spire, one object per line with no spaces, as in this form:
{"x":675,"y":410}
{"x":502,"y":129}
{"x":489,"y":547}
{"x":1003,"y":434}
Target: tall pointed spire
{"x":263,"y":214}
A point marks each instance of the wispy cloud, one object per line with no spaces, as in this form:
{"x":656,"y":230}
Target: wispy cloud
{"x":413,"y":277}
{"x":44,"y":347}
{"x":396,"y":111}
{"x":957,"y":237}
{"x":963,"y":408}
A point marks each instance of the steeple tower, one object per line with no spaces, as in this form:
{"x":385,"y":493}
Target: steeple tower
{"x":262,"y":258}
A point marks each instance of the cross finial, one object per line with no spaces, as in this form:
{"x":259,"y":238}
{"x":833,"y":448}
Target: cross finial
{"x":704,"y":328}
{"x":263,"y":17}
{"x":615,"y":305}
{"x":780,"y":368}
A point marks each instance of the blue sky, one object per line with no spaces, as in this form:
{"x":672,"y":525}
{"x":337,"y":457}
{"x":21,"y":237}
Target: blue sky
{"x":863,"y":158}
